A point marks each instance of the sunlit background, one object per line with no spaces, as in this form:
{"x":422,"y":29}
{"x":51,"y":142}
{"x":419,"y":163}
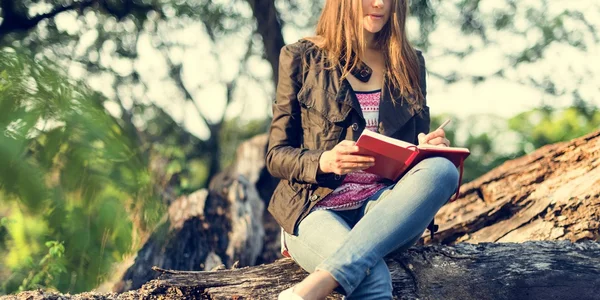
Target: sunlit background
{"x":110,"y":109}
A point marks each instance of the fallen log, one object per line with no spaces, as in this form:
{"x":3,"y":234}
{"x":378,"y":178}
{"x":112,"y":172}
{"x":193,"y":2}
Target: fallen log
{"x":530,"y":270}
{"x":552,"y":193}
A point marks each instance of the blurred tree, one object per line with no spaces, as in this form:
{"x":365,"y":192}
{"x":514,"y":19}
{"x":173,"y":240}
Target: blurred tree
{"x":487,"y":145}
{"x":518,"y":40}
{"x":236,"y":131}
{"x":493,"y":140}
{"x":109,"y":41}
{"x":101,"y":40}
{"x":68,"y":170}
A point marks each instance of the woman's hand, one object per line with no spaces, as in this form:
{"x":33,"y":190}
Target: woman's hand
{"x":340,"y":159}
{"x":436,"y":138}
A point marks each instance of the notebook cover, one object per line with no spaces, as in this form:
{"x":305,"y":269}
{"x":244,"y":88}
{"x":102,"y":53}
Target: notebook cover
{"x":391,"y":160}
{"x":393,"y":157}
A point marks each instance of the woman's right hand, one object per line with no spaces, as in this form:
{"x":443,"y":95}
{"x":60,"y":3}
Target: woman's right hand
{"x":340,"y":159}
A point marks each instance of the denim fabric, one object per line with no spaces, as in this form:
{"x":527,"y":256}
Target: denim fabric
{"x":351,"y":244}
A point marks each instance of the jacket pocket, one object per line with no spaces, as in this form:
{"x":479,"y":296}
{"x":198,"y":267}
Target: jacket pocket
{"x":287,"y":204}
{"x":322,"y":103}
{"x":321,"y":117}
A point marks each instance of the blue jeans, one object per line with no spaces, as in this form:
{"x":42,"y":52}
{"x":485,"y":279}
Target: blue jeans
{"x":351,"y":244}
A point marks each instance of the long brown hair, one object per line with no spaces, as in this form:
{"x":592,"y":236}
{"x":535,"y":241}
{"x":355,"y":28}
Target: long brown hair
{"x":339,"y":32}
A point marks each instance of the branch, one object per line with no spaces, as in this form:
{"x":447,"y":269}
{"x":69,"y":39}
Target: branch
{"x":176,"y":75}
{"x":14,"y":21}
{"x":232,"y":85}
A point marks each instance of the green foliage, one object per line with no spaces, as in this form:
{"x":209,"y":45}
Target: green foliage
{"x":482,"y":146}
{"x":70,"y":173}
{"x":502,"y":140}
{"x":484,"y":155}
{"x":44,"y":273}
{"x":545,"y":125}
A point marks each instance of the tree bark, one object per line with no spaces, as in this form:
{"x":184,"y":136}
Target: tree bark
{"x":551,"y":194}
{"x":531,"y":270}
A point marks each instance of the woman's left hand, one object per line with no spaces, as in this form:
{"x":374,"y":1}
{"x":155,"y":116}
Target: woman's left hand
{"x":436,"y":138}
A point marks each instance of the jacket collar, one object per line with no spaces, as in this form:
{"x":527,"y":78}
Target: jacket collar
{"x":392,"y":116}
{"x":393,"y":112}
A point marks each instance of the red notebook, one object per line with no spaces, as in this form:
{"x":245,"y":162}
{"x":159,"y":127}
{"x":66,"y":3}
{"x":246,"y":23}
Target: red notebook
{"x":394,"y":157}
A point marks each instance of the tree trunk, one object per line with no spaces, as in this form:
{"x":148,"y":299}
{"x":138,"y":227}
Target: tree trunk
{"x":213,"y":145}
{"x":532,"y":270}
{"x":209,"y":229}
{"x":270,"y":29}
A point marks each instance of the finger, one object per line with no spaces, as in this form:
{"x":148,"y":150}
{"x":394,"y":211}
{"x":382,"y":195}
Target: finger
{"x":436,"y":133}
{"x":356,"y":158}
{"x":349,"y":165}
{"x":437,"y":141}
{"x":440,"y":142}
{"x":347,"y":143}
{"x":347,"y":149}
{"x":422,"y":138}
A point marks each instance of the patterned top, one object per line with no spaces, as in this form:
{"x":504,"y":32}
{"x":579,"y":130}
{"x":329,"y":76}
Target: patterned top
{"x":357,"y":186}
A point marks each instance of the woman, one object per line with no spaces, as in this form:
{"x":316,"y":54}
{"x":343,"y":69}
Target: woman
{"x":338,"y":222}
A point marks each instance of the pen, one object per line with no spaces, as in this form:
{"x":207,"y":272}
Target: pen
{"x":444,"y":124}
{"x":440,"y":127}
